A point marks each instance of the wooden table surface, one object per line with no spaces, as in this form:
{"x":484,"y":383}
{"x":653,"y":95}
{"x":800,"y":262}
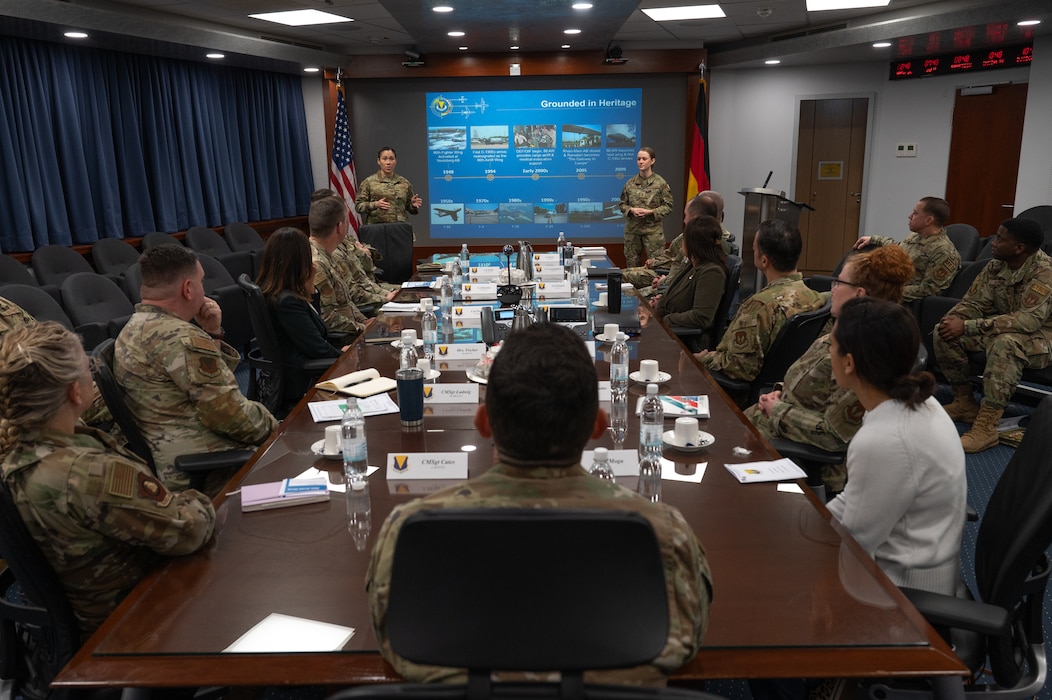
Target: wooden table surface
{"x":794,"y":595}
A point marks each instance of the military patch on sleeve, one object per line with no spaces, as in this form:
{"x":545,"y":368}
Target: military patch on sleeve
{"x":208,"y":365}
{"x":741,"y":338}
{"x":152,"y":489}
{"x":1035,"y":294}
{"x":205,"y":344}
{"x":948,"y":269}
{"x":122,"y":480}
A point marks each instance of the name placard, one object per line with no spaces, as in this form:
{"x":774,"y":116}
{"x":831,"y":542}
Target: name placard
{"x":451,"y":409}
{"x":467,"y":312}
{"x":604,"y":388}
{"x":451,"y":393}
{"x":546,"y":259}
{"x":549,"y":274}
{"x":460,"y":351}
{"x":473,"y":292}
{"x":484,"y":274}
{"x":556,"y":288}
{"x":453,"y":366}
{"x":622,"y":462}
{"x":427,"y":465}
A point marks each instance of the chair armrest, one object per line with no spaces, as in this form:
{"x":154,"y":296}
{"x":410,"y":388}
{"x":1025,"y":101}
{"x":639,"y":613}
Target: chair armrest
{"x":93,"y":334}
{"x":970,"y":514}
{"x":685,"y":330}
{"x":729,"y":383}
{"x":958,"y":613}
{"x":319,"y":365}
{"x":207,"y":461}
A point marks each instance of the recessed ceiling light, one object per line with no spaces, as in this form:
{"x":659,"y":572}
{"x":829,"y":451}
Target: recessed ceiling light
{"x":455,"y":34}
{"x":311,"y":69}
{"x":1024,"y":23}
{"x":666,"y":14}
{"x":772,"y":61}
{"x":463,"y":48}
{"x":582,"y":6}
{"x":214,"y":55}
{"x":76,"y":35}
{"x":571,"y":31}
{"x":821,"y":5}
{"x":301,"y":18}
{"x":565,"y":46}
{"x":882,"y":44}
{"x":441,"y":8}
{"x":514,"y":48}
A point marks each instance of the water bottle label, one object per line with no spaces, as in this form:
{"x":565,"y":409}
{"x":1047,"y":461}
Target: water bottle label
{"x":618,"y":373}
{"x":651,"y":436}
{"x":355,"y":452}
{"x":431,"y":337}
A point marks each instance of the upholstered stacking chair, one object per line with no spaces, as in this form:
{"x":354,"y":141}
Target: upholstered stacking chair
{"x":965,"y":239}
{"x":94,"y":300}
{"x":395,"y":244}
{"x":207,"y":242}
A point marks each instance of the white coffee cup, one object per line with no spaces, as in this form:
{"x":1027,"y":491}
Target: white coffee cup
{"x":648,"y":370}
{"x":602,"y":298}
{"x":686,"y":431}
{"x":409,"y":336}
{"x":424,"y":365}
{"x":332,"y":439}
{"x":427,"y":303}
{"x":610,"y":331}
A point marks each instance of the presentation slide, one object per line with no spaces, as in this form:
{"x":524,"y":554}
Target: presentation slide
{"x":529,"y":164}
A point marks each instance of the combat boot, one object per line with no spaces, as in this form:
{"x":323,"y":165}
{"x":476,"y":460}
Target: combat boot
{"x":964,"y":407}
{"x":983,"y":433}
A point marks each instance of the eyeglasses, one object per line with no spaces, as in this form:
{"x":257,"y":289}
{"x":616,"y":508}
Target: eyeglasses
{"x":837,"y":281}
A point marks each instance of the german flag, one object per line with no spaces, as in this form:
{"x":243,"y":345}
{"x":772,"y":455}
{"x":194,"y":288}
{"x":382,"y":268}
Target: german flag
{"x":698,"y":181}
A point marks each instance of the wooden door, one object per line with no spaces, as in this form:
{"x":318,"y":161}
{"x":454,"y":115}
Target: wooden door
{"x":984,"y":156}
{"x":831,"y":150}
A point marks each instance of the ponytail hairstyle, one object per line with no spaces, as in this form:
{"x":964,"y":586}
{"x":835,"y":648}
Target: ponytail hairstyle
{"x":37,"y":366}
{"x":883,"y":339}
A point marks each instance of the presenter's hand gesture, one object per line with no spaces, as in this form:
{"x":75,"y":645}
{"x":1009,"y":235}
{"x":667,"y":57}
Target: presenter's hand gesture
{"x":382,"y":203}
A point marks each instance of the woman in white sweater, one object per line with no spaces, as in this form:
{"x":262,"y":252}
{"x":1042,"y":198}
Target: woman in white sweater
{"x":906,"y":493}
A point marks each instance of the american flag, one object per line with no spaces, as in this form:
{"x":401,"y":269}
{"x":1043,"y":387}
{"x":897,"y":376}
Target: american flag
{"x":341,"y":171}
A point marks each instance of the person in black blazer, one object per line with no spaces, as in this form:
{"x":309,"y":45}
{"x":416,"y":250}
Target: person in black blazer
{"x":695,"y":291}
{"x":286,"y":276}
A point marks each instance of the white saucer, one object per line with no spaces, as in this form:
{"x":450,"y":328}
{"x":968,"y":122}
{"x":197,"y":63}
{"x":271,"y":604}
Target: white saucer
{"x":601,"y":286}
{"x":398,"y":343}
{"x":603,"y":339}
{"x":435,"y":374}
{"x":704,"y":440}
{"x":661,"y":378}
{"x":318,"y":448}
{"x":597,"y":305}
{"x":476,"y":378}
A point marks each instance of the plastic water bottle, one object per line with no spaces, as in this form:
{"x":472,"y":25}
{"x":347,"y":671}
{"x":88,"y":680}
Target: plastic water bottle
{"x":575,"y":276}
{"x":618,"y":419}
{"x":465,"y":254}
{"x":619,"y":366}
{"x":424,"y":365}
{"x":407,"y":355}
{"x":560,"y":246}
{"x":458,"y":276}
{"x":359,"y":513}
{"x":429,"y":328}
{"x":600,"y":468}
{"x":355,"y":448}
{"x":446,"y":301}
{"x":651,"y":423}
{"x":649,"y":484}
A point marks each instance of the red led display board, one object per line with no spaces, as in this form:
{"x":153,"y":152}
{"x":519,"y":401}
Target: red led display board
{"x":961,"y":62}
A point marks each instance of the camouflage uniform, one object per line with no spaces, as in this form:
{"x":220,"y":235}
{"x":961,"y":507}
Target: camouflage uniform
{"x":396,"y":190}
{"x":649,"y":193}
{"x":332,"y":280}
{"x":1006,"y":315}
{"x":99,"y":516}
{"x":504,"y":486}
{"x":364,"y":290}
{"x":182,"y":392}
{"x":935,"y":263}
{"x":812,"y":409}
{"x":13,"y":317}
{"x":642,"y":278}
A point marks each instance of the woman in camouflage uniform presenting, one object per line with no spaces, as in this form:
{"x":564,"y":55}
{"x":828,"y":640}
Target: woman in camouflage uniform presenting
{"x":645,"y":200}
{"x":386,"y":197}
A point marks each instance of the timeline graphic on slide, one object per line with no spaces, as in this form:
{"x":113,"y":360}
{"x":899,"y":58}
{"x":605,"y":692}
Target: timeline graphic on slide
{"x":530,"y":163}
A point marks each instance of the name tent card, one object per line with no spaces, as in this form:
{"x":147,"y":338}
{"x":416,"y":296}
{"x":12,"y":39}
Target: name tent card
{"x":480,"y":291}
{"x":548,"y":289}
{"x":546,"y":259}
{"x":467,"y":312}
{"x":622,"y":462}
{"x":427,"y":465}
{"x":459,"y":351}
{"x":451,"y":393}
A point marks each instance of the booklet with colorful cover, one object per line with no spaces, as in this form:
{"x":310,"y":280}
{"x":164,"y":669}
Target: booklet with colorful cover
{"x":279,"y":494}
{"x":676,"y":406}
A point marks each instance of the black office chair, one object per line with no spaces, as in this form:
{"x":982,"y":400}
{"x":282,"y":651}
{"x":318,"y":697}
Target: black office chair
{"x":112,"y":256}
{"x":820,"y":283}
{"x":1042,"y":214}
{"x":93,"y":300}
{"x":395,"y":243}
{"x":985,"y":251}
{"x":43,"y":307}
{"x":962,"y":281}
{"x":39,"y":633}
{"x":156,"y":238}
{"x":266,"y":380}
{"x":197,"y":466}
{"x":14,"y":272}
{"x":133,"y":283}
{"x":243,"y":238}
{"x":794,"y":338}
{"x":207,"y":242}
{"x":696,"y":339}
{"x":965,"y":239}
{"x":1000,"y":628}
{"x":52,"y":264}
{"x":451,"y":606}
{"x":219,"y":285}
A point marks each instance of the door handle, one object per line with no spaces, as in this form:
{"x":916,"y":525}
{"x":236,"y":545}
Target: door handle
{"x":857,"y":196}
{"x":1008,"y":206}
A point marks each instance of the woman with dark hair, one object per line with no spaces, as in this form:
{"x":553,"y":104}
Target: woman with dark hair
{"x":286,"y":276}
{"x":695,"y":291}
{"x":905,"y":497}
{"x":386,"y":197}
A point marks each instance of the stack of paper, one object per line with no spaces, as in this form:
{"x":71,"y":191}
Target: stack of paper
{"x":279,"y":494}
{"x":755,"y":472}
{"x":676,"y":406}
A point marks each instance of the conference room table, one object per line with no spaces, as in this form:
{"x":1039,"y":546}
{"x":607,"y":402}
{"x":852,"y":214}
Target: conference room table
{"x":795,"y":596}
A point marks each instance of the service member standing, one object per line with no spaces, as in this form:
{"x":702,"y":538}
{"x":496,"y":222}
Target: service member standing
{"x":386,"y":197}
{"x":645,"y":200}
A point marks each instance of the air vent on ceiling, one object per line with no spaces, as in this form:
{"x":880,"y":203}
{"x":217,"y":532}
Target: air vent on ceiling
{"x":808,"y":32}
{"x":300,"y":44}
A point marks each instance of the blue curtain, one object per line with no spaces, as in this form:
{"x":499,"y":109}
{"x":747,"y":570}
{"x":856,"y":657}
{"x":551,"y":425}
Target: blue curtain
{"x":99,"y":144}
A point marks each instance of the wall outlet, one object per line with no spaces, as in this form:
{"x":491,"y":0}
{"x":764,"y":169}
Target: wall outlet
{"x":906,"y":150}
